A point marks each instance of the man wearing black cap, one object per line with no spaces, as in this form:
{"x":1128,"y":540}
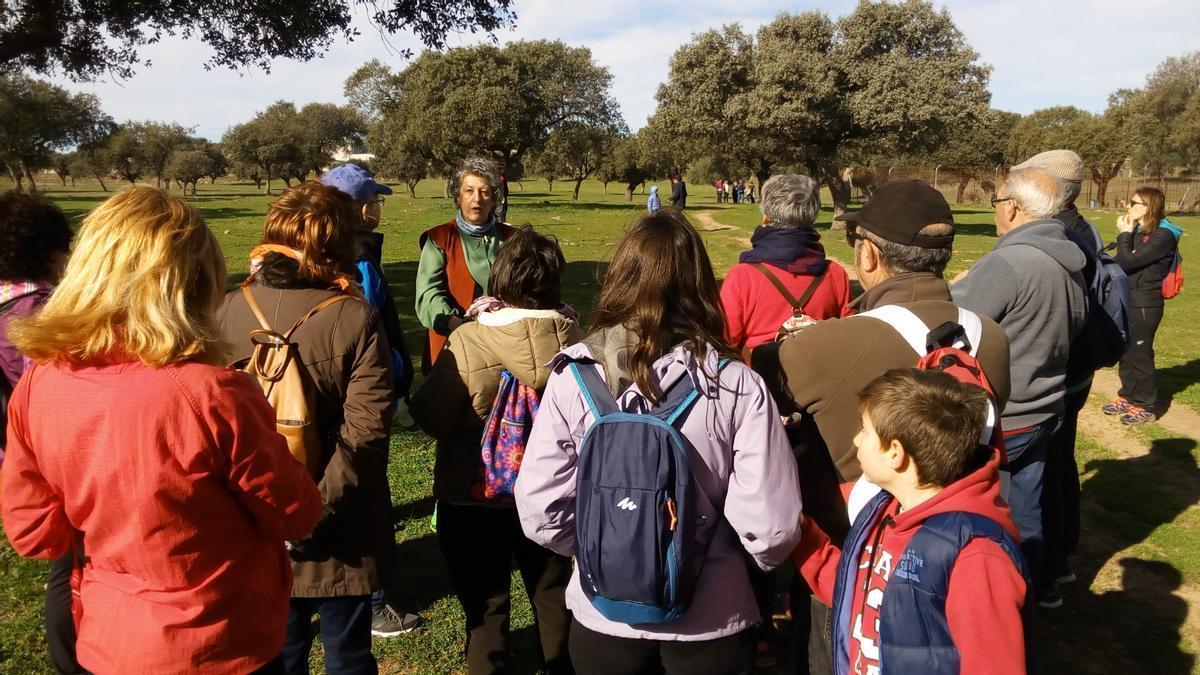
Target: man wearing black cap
{"x":902,"y":239}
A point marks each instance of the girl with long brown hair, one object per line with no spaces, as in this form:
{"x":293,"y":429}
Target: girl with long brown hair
{"x":657,"y":323}
{"x":1146,"y":248}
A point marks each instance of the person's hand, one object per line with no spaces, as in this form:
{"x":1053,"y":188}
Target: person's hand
{"x":1124,"y":223}
{"x":454,"y":322}
{"x":960,"y":276}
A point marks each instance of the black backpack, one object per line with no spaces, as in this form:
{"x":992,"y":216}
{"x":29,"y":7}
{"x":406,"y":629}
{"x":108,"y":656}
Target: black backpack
{"x":1105,"y":334}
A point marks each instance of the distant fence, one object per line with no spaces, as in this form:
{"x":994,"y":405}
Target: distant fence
{"x":1182,"y":192}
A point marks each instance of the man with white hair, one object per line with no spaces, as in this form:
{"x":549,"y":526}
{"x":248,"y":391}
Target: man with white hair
{"x":1032,"y":284}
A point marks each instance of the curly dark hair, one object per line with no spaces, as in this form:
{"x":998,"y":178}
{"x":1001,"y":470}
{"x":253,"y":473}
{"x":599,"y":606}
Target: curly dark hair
{"x":32,"y":231}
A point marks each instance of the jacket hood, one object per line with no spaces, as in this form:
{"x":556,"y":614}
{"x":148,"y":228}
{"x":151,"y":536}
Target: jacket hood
{"x":668,"y":369}
{"x":521,"y":340}
{"x":1171,"y":227}
{"x":1049,"y":236}
{"x":653,"y":189}
{"x":978,"y":492}
{"x":906,"y":287}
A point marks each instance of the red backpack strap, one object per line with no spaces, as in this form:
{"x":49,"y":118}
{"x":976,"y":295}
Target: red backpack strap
{"x":797,"y":304}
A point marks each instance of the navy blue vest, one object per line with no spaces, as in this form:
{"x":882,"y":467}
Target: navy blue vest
{"x":914,"y":635}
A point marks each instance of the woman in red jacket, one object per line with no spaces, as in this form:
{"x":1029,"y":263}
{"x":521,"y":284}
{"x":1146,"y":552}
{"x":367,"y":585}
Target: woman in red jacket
{"x":125,"y":437}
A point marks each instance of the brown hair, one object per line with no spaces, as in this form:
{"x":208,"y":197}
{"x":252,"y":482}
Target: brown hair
{"x":528,"y":271}
{"x":145,"y":280}
{"x":317,"y":220}
{"x":1155,"y":207}
{"x":660,"y":285}
{"x":935,"y":417}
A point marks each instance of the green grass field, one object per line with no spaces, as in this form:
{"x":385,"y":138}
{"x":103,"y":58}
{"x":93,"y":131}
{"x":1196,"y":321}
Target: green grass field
{"x":1141,"y":551}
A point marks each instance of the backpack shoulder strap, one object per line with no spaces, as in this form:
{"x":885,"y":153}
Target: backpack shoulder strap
{"x":797,"y":304}
{"x":908,"y":325}
{"x":320,"y":306}
{"x":595,"y":391}
{"x":258,"y":313}
{"x":973,"y":327}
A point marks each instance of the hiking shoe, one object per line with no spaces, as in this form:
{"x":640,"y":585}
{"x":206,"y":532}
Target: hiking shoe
{"x":1137,"y":415}
{"x":764,"y":655}
{"x":387,"y":622}
{"x":1118,"y":407}
{"x":1050,"y":598}
{"x":402,"y":416}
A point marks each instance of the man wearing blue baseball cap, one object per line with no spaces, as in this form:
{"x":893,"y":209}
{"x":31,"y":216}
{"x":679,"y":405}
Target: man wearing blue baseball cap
{"x":358,"y":182}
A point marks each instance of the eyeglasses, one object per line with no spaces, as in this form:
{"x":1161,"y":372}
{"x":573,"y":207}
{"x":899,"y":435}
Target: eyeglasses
{"x":852,"y":234}
{"x":378,"y":200}
{"x":997,"y":200}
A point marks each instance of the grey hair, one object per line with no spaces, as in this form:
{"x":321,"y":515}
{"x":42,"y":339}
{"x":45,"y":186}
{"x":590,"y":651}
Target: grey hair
{"x":1070,"y":192}
{"x":1028,"y":188}
{"x":790,"y":200}
{"x":901,"y":258}
{"x":482,"y":167}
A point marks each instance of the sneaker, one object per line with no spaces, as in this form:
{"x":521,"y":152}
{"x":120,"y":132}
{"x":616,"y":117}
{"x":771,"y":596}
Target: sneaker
{"x":1066,"y":577}
{"x":1117,"y":407}
{"x":1050,"y":598}
{"x":403,"y":417}
{"x":387,"y":622}
{"x":1137,"y":415}
{"x":764,"y":655}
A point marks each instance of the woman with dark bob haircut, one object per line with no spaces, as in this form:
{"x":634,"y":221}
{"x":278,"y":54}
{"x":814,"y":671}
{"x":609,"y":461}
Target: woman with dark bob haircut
{"x":35,"y":241}
{"x":517,"y":329}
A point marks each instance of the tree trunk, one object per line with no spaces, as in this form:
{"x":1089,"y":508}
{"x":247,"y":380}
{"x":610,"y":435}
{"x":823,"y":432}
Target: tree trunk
{"x":16,"y":176}
{"x":100,"y":179}
{"x":550,"y":182}
{"x":762,"y":173}
{"x":629,"y":191}
{"x":446,"y":188}
{"x":1101,"y":188}
{"x":412,"y":189}
{"x":63,"y":178}
{"x":827,"y":171}
{"x":605,"y":186}
{"x":575,"y":195}
{"x":268,"y":183}
{"x":964,"y":180}
{"x":72,"y":181}
{"x":32,"y":182}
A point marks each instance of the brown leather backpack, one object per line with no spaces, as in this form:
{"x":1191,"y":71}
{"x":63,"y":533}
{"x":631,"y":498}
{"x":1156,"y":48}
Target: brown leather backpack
{"x":275,"y":364}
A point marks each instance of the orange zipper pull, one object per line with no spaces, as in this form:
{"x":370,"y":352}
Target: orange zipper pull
{"x":671,"y":512}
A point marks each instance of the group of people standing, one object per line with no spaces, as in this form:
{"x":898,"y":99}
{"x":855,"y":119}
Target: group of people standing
{"x":154,"y":476}
{"x":737,"y":191}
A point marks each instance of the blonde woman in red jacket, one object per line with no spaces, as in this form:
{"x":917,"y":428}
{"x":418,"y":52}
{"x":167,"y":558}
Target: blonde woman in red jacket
{"x":125,"y":437}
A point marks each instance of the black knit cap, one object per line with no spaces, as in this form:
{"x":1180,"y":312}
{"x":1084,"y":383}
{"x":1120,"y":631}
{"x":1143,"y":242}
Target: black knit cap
{"x":900,"y":209}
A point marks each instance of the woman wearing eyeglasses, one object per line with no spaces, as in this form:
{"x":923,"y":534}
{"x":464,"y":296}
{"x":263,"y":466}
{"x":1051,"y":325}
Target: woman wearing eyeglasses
{"x":1146,"y":247}
{"x":457,"y":256}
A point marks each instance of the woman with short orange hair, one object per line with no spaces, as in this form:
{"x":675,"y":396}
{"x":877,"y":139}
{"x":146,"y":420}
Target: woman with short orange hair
{"x":303,"y":263}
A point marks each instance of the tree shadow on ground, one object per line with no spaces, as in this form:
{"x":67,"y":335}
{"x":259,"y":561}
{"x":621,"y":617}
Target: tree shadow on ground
{"x":1175,"y":379}
{"x":1123,"y":502}
{"x":223,"y":212}
{"x":515,"y":209}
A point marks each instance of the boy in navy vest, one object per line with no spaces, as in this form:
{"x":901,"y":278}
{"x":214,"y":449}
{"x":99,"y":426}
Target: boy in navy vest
{"x":930,"y":578}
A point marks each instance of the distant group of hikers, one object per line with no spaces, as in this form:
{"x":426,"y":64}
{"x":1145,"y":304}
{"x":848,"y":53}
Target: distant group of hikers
{"x":910,"y":451}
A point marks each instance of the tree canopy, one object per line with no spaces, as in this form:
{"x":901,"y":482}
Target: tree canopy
{"x":498,"y":101}
{"x":893,"y":76}
{"x":86,"y":39}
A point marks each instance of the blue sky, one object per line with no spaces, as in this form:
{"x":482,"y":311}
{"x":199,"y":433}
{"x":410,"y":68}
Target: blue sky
{"x":1043,"y":53}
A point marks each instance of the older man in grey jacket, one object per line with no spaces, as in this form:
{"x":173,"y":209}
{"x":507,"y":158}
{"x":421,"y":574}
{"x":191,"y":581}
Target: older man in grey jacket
{"x":1031,"y":283}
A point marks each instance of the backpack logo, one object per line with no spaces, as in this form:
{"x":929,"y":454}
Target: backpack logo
{"x":626,"y":505}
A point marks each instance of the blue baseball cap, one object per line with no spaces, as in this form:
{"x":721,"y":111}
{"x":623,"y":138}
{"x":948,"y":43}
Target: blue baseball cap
{"x":354,"y":181}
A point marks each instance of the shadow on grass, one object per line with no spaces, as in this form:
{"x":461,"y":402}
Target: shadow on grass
{"x":1124,"y":502}
{"x":1175,"y":379}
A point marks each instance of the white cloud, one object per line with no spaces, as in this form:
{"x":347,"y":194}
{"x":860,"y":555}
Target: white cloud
{"x":1043,"y":53}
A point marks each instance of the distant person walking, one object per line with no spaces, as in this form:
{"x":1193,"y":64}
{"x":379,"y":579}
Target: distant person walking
{"x":1146,"y":246}
{"x":167,"y":467}
{"x":652,"y":202}
{"x":678,"y":193}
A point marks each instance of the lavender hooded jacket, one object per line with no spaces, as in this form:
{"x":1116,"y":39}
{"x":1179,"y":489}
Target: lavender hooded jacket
{"x":749,"y":468}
